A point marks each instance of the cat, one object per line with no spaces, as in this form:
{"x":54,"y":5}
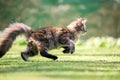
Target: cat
{"x":44,"y":39}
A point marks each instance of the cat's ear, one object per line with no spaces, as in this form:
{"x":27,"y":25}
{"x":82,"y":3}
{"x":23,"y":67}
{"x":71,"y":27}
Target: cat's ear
{"x":84,"y":20}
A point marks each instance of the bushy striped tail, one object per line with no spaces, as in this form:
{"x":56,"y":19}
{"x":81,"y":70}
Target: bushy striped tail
{"x":10,"y":35}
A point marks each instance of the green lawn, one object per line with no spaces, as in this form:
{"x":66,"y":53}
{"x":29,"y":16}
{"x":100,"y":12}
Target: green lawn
{"x":84,"y":64}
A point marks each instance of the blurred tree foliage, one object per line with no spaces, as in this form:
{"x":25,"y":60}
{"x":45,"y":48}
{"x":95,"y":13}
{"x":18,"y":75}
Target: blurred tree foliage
{"x":112,"y":16}
{"x":103,"y":15}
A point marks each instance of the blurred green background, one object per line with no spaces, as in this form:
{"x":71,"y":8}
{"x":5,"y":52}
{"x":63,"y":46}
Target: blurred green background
{"x":97,"y":55}
{"x":103,"y":15}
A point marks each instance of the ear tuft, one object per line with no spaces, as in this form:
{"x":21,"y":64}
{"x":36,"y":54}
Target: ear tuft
{"x":84,"y":20}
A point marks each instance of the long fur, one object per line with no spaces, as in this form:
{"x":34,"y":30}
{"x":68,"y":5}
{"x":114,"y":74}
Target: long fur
{"x":10,"y":35}
{"x":44,"y":39}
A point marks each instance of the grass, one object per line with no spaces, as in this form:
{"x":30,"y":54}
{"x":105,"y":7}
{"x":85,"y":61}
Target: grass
{"x":84,"y":64}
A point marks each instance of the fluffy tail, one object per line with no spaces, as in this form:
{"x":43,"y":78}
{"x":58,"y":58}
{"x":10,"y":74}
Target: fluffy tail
{"x":10,"y":35}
